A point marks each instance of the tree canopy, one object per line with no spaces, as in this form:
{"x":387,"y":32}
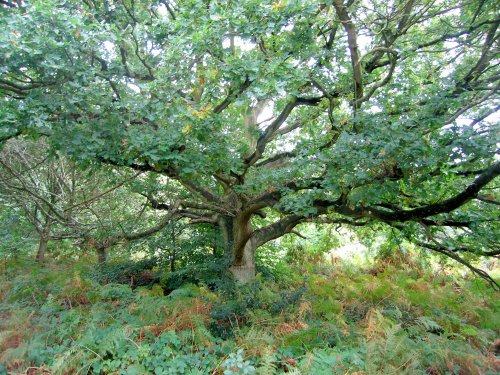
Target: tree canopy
{"x":256,"y":116}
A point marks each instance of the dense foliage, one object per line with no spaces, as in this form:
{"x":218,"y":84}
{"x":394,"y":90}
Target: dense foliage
{"x":336,"y":320}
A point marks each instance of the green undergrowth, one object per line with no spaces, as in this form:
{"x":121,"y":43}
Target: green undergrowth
{"x":62,"y":319}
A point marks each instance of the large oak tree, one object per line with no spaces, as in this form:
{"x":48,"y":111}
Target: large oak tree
{"x":343,"y":111}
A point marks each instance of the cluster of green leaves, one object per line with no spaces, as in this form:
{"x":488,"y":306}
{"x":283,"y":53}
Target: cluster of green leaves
{"x":16,"y":237}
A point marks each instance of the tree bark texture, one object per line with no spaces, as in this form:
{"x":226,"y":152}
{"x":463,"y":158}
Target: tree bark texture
{"x":102,"y":255}
{"x":44,"y":240}
{"x":42,"y":248}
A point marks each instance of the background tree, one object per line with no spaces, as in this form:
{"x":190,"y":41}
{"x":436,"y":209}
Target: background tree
{"x":60,"y":201}
{"x":44,"y":188}
{"x":336,"y":112}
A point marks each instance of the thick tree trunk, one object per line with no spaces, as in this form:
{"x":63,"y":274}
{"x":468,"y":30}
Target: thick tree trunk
{"x":42,"y":248}
{"x":243,"y":262}
{"x":101,"y":254}
{"x":241,"y":241}
{"x":239,"y":247}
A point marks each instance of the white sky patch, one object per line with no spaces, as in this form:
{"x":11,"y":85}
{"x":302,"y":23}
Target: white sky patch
{"x":364,"y":42}
{"x":311,"y":62}
{"x":109,"y":47}
{"x":134,"y":87}
{"x":374,"y":109}
{"x":494,"y":118}
{"x":450,"y":47}
{"x":243,"y":44}
{"x":463,"y":121}
{"x":266,"y":115}
{"x":162,"y":9}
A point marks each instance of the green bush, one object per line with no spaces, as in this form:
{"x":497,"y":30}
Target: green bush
{"x":212,"y":274}
{"x":115,"y":292}
{"x":130,"y":272}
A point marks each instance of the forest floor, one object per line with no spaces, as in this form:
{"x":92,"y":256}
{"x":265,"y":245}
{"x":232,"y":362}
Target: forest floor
{"x":60,"y":318}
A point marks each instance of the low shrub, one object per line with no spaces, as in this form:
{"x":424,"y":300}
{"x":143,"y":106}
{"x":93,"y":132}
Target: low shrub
{"x":131,"y":272}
